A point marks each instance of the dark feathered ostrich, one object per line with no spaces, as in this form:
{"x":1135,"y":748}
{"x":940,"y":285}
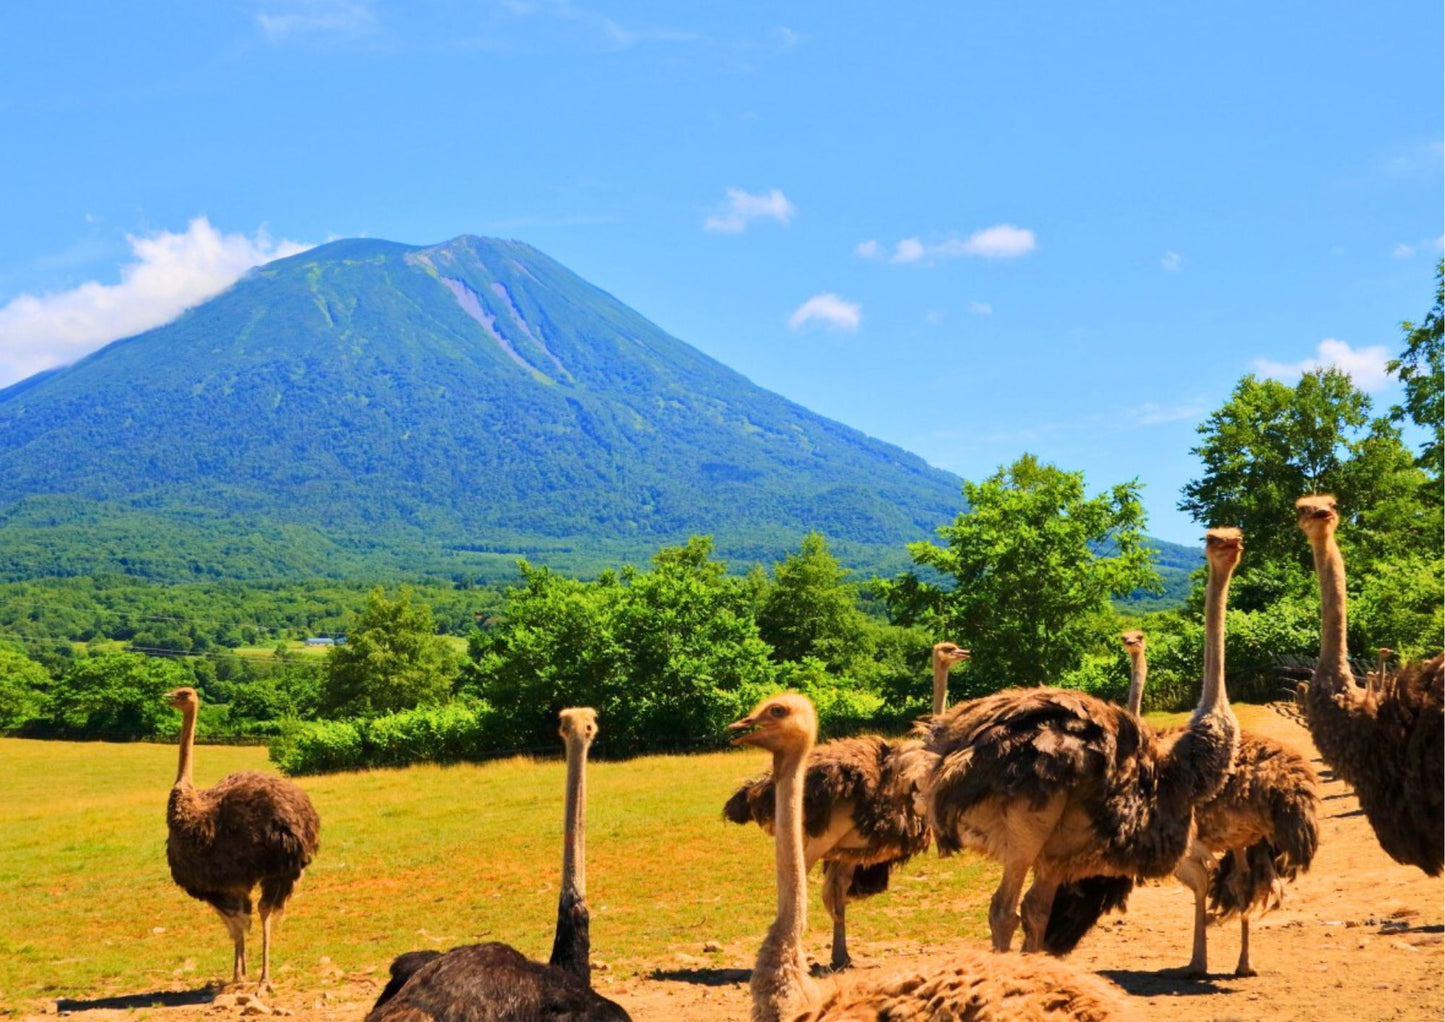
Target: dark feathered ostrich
{"x":1071,"y":786}
{"x":496,"y":983}
{"x":858,"y":811}
{"x":967,"y":987}
{"x":1258,"y":832}
{"x":250,"y":829}
{"x":1388,"y":742}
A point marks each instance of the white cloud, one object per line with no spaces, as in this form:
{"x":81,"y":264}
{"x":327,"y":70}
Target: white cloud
{"x":171,"y":273}
{"x":290,"y":18}
{"x":980,"y":308}
{"x":1002,"y":241}
{"x":868,"y":250}
{"x":1366,"y":366}
{"x":1171,"y":261}
{"x":743,"y":207}
{"x":1403,"y":251}
{"x":828,"y":309}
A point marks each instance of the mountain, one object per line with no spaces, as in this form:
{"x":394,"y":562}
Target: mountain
{"x":370,"y":408}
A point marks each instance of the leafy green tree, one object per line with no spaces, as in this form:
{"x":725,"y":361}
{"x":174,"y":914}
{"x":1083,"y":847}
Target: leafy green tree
{"x":116,"y":694}
{"x":392,"y":660}
{"x":1271,"y":443}
{"x":810,"y":610}
{"x":22,"y":689}
{"x":1032,"y":564}
{"x":1421,"y":369}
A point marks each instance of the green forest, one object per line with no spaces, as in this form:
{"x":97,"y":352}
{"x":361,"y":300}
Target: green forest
{"x":1036,"y":576}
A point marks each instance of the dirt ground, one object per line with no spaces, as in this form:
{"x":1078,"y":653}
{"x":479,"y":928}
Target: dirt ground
{"x":1359,"y":937}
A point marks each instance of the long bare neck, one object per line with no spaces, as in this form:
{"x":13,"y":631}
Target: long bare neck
{"x":1138,"y":671}
{"x":780,"y":982}
{"x":1213,"y":698}
{"x":940,"y":685}
{"x":1334,"y":665}
{"x":187,"y":748}
{"x":574,"y":841}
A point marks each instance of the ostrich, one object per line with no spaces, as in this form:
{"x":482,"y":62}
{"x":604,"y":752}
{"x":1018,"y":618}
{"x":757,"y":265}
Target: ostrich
{"x":492,"y":982}
{"x":1372,"y":681}
{"x":249,"y":829}
{"x":859,"y":812}
{"x":1261,"y":825}
{"x":1075,"y":787}
{"x":1388,"y":745}
{"x":969,"y":987}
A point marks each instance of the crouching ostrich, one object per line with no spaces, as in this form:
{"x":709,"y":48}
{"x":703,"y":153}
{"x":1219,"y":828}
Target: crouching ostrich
{"x":496,"y":983}
{"x":1386,"y":742}
{"x":1071,"y":786}
{"x":967,"y":987}
{"x":858,"y":811}
{"x":1258,"y":832}
{"x":250,"y":829}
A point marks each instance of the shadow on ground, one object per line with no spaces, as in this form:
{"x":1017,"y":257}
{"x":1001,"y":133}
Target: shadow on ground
{"x":155,"y":999}
{"x":1167,"y":982}
{"x":703,"y":977}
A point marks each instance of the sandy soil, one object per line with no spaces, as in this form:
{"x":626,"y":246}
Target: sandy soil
{"x":1359,"y":937}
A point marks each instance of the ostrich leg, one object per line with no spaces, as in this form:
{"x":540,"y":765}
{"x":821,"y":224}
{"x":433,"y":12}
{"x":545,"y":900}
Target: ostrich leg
{"x":1193,"y":873}
{"x":837,"y":877}
{"x":1243,"y":968}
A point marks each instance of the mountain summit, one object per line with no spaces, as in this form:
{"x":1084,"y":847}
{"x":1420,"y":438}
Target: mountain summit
{"x":369,"y":406}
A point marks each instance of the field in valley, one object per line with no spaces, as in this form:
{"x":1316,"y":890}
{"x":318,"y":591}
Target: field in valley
{"x":433,"y":857}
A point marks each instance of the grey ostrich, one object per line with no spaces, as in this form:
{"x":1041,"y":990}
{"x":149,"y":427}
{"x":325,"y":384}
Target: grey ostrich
{"x":858,"y":811}
{"x":496,"y":983}
{"x":250,"y":829}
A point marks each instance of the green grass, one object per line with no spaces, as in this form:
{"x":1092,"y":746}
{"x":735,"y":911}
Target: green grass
{"x":422,"y":857}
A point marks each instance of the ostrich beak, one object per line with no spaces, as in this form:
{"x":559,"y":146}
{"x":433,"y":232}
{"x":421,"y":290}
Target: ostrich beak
{"x":746,"y":738}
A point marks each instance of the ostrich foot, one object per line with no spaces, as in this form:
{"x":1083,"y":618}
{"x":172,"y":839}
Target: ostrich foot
{"x":841,"y":962}
{"x":1245,"y":969}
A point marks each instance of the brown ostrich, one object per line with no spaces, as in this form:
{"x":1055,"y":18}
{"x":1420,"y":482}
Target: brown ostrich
{"x":1074,"y":787}
{"x":1372,"y":681}
{"x":1388,"y":744}
{"x":968,"y":987}
{"x":249,"y":829}
{"x":487,"y":982}
{"x":1261,"y":826}
{"x":859,"y":812}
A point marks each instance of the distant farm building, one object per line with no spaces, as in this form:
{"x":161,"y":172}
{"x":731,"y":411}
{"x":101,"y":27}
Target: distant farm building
{"x":326,"y":640}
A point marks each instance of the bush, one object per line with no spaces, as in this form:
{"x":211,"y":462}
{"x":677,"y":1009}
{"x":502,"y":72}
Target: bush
{"x":434,"y":734}
{"x":319,"y":747}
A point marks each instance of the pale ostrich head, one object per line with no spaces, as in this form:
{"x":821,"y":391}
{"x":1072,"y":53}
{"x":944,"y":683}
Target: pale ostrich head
{"x":1133,"y":642}
{"x":183,"y":699}
{"x":949,"y":653}
{"x":1222,"y":547}
{"x":785,"y":721}
{"x":578,"y":724}
{"x":1317,"y":515}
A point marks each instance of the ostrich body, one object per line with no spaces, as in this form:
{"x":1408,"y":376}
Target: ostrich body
{"x":250,"y":829}
{"x":1074,"y":787}
{"x":858,"y":811}
{"x":969,"y":987}
{"x":496,"y":983}
{"x":1387,"y":742}
{"x":1256,"y":833}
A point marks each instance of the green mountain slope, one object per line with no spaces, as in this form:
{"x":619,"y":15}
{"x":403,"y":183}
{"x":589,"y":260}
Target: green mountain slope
{"x":369,"y":407}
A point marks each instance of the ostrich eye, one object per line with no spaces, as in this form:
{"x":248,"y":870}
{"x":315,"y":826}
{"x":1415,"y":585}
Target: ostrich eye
{"x":779,"y":711}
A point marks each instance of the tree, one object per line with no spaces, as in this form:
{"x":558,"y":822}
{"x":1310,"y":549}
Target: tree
{"x":1271,"y":443}
{"x":1032,"y":565}
{"x":1421,"y":369}
{"x":116,"y":694}
{"x":392,"y":660}
{"x":22,"y":689}
{"x":810,"y":610}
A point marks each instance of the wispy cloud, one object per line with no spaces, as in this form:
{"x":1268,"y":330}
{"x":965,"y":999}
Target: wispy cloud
{"x":592,"y":28}
{"x":1417,"y":160}
{"x":829,"y":310}
{"x":288,"y":19}
{"x":868,"y":250}
{"x":1405,"y":250}
{"x":170,"y":273}
{"x":980,"y":308}
{"x":1366,"y":366}
{"x":1171,"y":261}
{"x":743,"y":207}
{"x":1002,"y":241}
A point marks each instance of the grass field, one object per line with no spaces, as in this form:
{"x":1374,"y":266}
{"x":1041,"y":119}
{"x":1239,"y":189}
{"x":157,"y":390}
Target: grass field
{"x":422,"y":857}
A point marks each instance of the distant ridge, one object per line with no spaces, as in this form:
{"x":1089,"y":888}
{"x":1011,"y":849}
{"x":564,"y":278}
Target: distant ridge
{"x":367,"y":408}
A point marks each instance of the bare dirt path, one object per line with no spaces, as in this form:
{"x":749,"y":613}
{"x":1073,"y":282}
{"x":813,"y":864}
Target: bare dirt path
{"x":1359,"y":937}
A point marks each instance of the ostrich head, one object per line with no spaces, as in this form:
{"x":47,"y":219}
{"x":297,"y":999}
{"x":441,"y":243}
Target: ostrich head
{"x":949,"y":653}
{"x":1222,"y":548}
{"x":785,"y":721}
{"x":183,"y":699}
{"x":1133,"y":642}
{"x":1317,"y":515}
{"x":578,"y":723}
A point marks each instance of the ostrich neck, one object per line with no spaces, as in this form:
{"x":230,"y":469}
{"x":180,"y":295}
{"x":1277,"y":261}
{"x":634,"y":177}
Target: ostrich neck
{"x":574,"y":842}
{"x":1213,"y":698}
{"x":1138,"y":670}
{"x":780,"y":983}
{"x":940,"y":686}
{"x":1334,"y":664}
{"x":188,"y":741}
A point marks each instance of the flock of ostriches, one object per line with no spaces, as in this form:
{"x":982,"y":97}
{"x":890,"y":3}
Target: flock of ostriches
{"x":1080,"y":792}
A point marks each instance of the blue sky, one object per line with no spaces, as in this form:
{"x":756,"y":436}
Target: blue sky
{"x":968,"y":229}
